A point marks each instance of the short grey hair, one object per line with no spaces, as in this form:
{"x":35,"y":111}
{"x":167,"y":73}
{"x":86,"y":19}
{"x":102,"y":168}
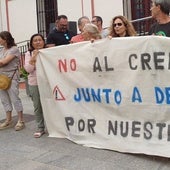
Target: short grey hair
{"x":80,"y":19}
{"x":164,"y":5}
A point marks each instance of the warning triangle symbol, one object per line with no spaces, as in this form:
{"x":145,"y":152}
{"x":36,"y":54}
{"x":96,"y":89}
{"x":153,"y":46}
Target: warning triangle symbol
{"x":57,"y":94}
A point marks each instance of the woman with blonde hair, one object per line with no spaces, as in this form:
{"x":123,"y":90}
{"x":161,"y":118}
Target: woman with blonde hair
{"x":121,"y":27}
{"x":91,"y":32}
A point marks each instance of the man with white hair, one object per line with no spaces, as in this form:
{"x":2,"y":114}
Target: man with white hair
{"x":81,"y":23}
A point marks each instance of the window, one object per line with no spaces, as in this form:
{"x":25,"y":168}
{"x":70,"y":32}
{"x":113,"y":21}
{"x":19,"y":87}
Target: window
{"x":47,"y":12}
{"x":137,"y":9}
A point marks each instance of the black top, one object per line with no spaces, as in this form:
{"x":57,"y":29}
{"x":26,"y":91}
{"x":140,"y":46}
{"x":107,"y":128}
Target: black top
{"x":59,"y":38}
{"x":160,"y":29}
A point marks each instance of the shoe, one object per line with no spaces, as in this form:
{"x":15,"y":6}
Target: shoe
{"x":19,"y":126}
{"x":39,"y":134}
{"x":6,"y":124}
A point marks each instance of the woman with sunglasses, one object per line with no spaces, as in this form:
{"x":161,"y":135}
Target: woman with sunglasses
{"x":121,"y":27}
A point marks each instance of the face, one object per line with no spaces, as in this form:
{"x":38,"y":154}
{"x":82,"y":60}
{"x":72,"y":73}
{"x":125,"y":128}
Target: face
{"x":62,"y":25}
{"x":83,"y":22}
{"x":2,"y":42}
{"x":38,"y":42}
{"x":94,"y":21}
{"x":119,"y":27}
{"x":154,"y":10}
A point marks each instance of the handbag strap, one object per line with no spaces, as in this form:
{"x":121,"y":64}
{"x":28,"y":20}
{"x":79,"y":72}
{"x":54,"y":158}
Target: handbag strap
{"x":13,"y":74}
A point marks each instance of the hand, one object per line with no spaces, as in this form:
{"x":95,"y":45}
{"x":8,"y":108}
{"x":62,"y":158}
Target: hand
{"x":109,"y":37}
{"x":34,"y":57}
{"x":35,"y":53}
{"x":92,"y":40}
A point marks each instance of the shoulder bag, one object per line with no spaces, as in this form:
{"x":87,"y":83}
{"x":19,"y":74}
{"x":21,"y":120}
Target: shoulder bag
{"x":5,"y":81}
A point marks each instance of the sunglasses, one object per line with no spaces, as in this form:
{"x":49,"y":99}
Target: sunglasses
{"x":117,"y":24}
{"x":66,"y":36}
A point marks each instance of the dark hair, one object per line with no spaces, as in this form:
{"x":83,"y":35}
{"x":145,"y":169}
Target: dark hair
{"x":31,"y":41}
{"x":5,"y":35}
{"x":98,"y":18}
{"x":164,"y":5}
{"x":61,"y":16}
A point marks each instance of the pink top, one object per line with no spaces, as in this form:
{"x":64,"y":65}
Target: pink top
{"x":77,"y":38}
{"x":31,"y":69}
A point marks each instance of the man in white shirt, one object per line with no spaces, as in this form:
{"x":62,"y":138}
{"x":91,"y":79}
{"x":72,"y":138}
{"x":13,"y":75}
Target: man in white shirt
{"x":97,"y":20}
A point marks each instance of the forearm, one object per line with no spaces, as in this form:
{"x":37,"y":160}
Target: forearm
{"x":6,"y":60}
{"x":28,"y":67}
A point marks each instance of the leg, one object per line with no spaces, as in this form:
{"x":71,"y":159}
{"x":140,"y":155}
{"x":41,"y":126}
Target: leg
{"x":37,"y":108}
{"x":14,"y":95}
{"x":6,"y":102}
{"x":9,"y":116}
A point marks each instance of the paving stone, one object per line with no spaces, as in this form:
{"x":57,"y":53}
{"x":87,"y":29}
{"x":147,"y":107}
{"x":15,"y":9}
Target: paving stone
{"x":20,"y":151}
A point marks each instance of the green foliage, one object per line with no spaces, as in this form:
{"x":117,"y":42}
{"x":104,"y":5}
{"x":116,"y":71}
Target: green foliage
{"x":23,"y":73}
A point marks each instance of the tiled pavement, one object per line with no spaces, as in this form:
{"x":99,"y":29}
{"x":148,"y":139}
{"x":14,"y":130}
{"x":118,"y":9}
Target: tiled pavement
{"x":20,"y":151}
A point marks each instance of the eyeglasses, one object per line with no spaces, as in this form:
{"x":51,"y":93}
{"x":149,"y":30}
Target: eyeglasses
{"x":66,"y":36}
{"x":117,"y":24}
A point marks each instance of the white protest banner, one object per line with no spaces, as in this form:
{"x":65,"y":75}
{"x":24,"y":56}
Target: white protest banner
{"x":111,"y":94}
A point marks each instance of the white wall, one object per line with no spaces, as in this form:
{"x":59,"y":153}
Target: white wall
{"x":22,"y":19}
{"x":3,"y":17}
{"x":106,"y":9}
{"x":69,"y":8}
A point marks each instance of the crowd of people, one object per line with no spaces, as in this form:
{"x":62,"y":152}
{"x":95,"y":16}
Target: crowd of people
{"x":61,"y":35}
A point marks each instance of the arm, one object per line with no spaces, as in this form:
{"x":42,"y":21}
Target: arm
{"x":28,"y":67}
{"x":33,"y":59}
{"x":6,"y":60}
{"x":10,"y":55}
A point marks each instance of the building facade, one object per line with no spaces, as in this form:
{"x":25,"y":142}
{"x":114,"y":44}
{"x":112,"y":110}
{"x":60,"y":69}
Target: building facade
{"x":26,"y":17}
